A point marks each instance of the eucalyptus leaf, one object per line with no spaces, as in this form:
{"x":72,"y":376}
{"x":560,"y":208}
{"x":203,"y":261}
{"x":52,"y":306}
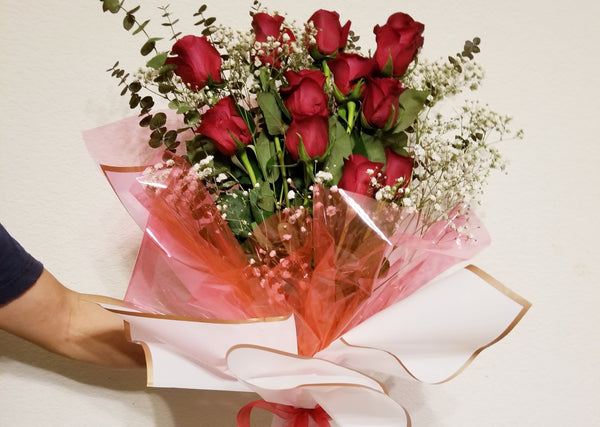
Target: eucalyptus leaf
{"x":147,"y":102}
{"x":165,"y":88}
{"x":146,"y":121}
{"x":147,"y":47}
{"x":135,"y":86}
{"x":134,"y":101}
{"x":141,"y":27}
{"x":113,"y":6}
{"x":191,"y":118}
{"x":158,"y":120}
{"x":128,"y":21}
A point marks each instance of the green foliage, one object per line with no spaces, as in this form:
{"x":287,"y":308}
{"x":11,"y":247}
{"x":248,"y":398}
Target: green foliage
{"x":271,"y":112}
{"x":412,"y":101}
{"x":266,"y":155}
{"x":112,"y":6}
{"x":341,"y":148}
{"x":262,"y":177}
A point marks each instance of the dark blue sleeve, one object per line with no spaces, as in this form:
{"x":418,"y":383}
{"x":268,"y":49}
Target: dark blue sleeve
{"x":18,"y":270}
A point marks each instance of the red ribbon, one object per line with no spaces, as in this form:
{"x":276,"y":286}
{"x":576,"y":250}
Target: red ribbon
{"x":298,"y":417}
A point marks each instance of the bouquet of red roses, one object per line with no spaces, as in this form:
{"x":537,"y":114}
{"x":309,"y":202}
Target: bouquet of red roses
{"x":294,"y":175}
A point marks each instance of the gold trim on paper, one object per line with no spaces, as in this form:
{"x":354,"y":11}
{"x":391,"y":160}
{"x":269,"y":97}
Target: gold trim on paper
{"x":101,"y":299}
{"x":194,"y":319}
{"x":149,"y":364}
{"x":108,"y":168}
{"x":301,"y":357}
{"x":497,"y":285}
{"x":298,"y":356}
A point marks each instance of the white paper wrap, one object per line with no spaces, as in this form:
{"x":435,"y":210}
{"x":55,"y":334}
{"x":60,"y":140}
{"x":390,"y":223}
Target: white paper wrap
{"x":432,"y":335}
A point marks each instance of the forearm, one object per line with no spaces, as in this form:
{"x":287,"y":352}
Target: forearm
{"x":67,"y":323}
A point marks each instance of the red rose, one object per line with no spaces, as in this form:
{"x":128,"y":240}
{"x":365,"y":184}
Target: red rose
{"x":222,"y":124}
{"x":312,"y":131}
{"x":398,"y":42}
{"x":397,"y":167}
{"x":265,"y":26}
{"x":305,"y":96}
{"x":348,"y":68}
{"x":358,"y":175}
{"x":197,"y":61}
{"x":380,"y":102}
{"x":331,"y":36}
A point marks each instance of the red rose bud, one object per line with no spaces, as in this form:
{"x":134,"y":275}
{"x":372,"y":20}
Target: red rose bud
{"x":380,"y":102}
{"x":398,"y":169}
{"x":223,"y":125}
{"x":197,"y":61}
{"x":305,"y":96}
{"x":348,"y":68}
{"x":313,"y":132}
{"x":398,"y":42}
{"x":265,"y":26}
{"x":360,"y":175}
{"x":331,"y":36}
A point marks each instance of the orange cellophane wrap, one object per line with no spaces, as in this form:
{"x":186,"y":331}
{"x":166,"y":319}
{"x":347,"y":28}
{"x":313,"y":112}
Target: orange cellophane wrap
{"x":352,"y":257}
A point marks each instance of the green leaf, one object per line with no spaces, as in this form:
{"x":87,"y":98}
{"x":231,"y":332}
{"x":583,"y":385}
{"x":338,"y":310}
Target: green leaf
{"x":262,"y":202}
{"x":271,"y":112}
{"x":147,"y":47}
{"x":191,"y":118}
{"x":265,"y":77}
{"x":145,"y":122}
{"x":412,"y":102}
{"x":141,"y":27}
{"x":396,"y":141}
{"x":165,"y":88}
{"x":265,"y":154}
{"x":134,"y":101}
{"x":238,"y":213}
{"x":179,"y":106}
{"x":374,"y":148}
{"x":341,"y":148}
{"x":158,"y":120}
{"x":112,"y":6}
{"x":147,"y":102}
{"x":128,"y":21}
{"x":135,"y":86}
{"x":165,"y":69}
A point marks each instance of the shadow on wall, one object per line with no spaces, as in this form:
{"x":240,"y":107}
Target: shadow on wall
{"x":173,"y":407}
{"x":116,"y":379}
{"x":185,"y":407}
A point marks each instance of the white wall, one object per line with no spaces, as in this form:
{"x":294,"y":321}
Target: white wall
{"x":542,"y":61}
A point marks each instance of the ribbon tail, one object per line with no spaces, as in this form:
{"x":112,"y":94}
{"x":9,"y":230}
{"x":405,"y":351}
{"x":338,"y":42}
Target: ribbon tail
{"x":298,"y":417}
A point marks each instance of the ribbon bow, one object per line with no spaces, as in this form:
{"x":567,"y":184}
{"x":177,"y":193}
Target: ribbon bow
{"x":298,"y":417}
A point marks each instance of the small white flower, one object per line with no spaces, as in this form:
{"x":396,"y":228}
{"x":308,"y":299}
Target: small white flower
{"x":322,"y":177}
{"x":221,"y":177}
{"x":291,"y":195}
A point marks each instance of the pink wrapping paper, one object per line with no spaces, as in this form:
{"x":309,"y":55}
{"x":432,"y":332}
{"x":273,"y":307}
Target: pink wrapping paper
{"x":351,"y":258}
